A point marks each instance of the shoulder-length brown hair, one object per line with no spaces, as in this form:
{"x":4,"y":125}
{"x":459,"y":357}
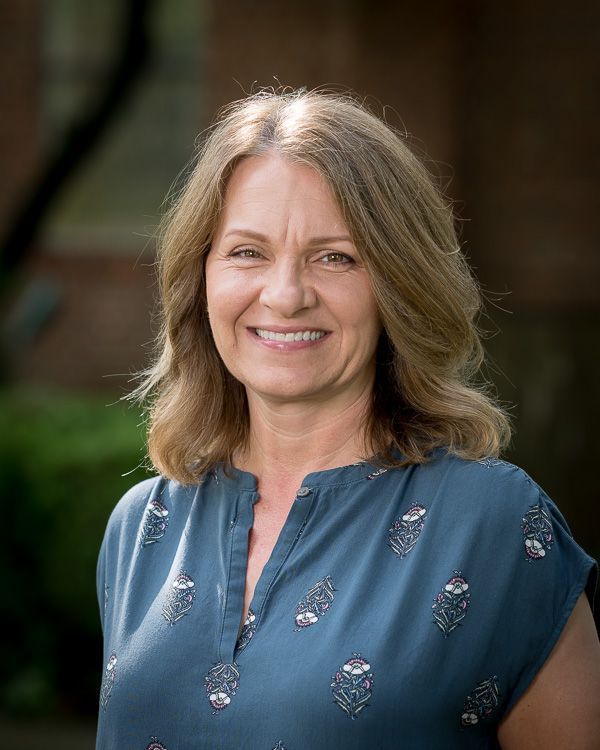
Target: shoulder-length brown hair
{"x":429,"y":350}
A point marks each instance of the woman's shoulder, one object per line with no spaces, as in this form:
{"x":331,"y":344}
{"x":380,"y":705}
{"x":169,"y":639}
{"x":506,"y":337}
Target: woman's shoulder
{"x":137,"y":497}
{"x":151,"y":499}
{"x":153,"y":495}
{"x":490,"y":495}
{"x":482,"y":483}
{"x":488,"y":470}
{"x":498,"y":504}
{"x":484,"y":478}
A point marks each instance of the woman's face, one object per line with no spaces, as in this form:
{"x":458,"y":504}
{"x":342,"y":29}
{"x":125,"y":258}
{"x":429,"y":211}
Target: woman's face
{"x":290,"y":302}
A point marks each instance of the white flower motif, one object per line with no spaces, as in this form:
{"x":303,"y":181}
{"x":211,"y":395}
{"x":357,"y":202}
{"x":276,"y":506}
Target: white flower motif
{"x":306,"y":618}
{"x":157,"y":510}
{"x":356,"y":666}
{"x":456,"y":587}
{"x":536,"y":547}
{"x":414,"y":514}
{"x":182,"y":583}
{"x":469,"y":718}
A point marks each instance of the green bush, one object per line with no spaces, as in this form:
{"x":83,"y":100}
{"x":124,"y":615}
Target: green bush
{"x":64,"y":462}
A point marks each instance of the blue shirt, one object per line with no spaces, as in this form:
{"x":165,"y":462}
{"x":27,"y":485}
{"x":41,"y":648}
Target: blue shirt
{"x":403,"y":608}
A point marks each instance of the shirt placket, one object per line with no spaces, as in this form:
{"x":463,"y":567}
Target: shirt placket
{"x":288,"y":537}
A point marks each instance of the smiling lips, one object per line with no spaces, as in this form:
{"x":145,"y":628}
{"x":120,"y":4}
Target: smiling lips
{"x":264,"y":333}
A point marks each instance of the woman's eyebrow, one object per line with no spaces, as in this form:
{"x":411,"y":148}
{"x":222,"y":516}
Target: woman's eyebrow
{"x":313,"y":241}
{"x":328,"y":240}
{"x":247,"y":233}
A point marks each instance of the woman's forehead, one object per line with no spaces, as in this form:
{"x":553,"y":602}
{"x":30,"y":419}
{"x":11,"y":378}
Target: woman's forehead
{"x":273,"y":195}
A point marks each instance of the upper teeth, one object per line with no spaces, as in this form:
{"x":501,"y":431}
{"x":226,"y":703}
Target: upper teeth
{"x":297,"y":336}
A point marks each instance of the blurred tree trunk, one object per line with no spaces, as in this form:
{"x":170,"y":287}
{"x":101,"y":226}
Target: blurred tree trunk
{"x":133,"y":52}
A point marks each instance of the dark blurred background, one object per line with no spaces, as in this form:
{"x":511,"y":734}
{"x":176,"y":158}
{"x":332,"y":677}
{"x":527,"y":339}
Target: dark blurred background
{"x":100,"y":107}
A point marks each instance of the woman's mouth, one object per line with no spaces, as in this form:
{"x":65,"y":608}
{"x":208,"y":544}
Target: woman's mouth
{"x":300,"y":335}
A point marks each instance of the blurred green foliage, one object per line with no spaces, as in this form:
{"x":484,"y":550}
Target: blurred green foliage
{"x":64,"y":462}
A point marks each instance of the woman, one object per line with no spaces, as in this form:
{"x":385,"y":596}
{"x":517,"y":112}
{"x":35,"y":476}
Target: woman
{"x":333,"y":556}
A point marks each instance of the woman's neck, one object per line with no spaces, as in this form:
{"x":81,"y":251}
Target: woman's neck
{"x":295,"y":440}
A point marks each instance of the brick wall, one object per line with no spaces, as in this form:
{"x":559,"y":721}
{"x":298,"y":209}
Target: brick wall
{"x":532,"y":151}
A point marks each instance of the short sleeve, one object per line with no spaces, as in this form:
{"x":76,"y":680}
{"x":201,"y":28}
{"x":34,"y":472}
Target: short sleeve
{"x":547,"y":576}
{"x":119,"y":540}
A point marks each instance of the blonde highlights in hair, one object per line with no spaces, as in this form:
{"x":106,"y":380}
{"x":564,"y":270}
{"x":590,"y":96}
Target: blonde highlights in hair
{"x":429,"y":352}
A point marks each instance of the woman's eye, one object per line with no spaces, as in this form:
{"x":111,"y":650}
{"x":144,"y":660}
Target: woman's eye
{"x":245,"y":252}
{"x":335,"y":259}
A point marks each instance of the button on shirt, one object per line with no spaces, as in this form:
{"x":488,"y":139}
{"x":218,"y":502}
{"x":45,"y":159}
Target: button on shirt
{"x":403,"y":608}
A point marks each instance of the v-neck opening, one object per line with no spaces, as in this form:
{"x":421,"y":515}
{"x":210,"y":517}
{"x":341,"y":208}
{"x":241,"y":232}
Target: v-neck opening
{"x":288,"y":535}
{"x":246,"y":485}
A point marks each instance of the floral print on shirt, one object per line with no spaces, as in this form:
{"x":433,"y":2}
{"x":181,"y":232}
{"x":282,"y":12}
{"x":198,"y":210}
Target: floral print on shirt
{"x":315,"y":604}
{"x":482,"y":703}
{"x":179,"y":599}
{"x":247,"y":631}
{"x":222,"y":682}
{"x":492,"y":461}
{"x":156,"y":522}
{"x":108,"y":680}
{"x":451,"y":604}
{"x":376,"y":473}
{"x":406,"y":530}
{"x":352,"y":686}
{"x":537,"y":530}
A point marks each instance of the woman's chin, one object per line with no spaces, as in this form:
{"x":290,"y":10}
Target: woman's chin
{"x":286,"y":392}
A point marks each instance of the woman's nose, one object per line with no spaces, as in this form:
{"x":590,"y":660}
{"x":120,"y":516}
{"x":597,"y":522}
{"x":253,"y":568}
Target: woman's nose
{"x":287,"y":290}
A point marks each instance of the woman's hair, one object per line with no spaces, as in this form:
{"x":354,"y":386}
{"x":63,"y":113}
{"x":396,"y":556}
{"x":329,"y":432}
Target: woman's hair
{"x":424,"y":396}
